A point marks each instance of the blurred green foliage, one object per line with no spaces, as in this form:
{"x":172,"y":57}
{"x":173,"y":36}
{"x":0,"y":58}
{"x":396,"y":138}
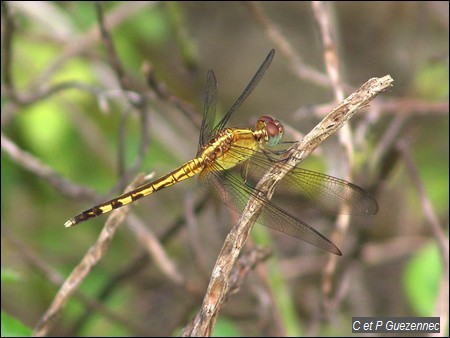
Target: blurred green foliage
{"x":422,"y":278}
{"x":75,"y":135}
{"x":11,"y":327}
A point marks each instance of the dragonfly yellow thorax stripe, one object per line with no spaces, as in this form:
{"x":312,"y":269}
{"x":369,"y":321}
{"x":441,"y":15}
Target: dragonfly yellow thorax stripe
{"x":231,"y":146}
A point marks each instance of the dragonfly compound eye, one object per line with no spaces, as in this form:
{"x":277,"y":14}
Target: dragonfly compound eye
{"x":263,"y":121}
{"x":274,"y":131}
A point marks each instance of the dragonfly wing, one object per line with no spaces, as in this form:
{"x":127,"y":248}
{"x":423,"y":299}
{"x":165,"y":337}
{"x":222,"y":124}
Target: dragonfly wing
{"x":247,"y":91}
{"x":209,"y":111}
{"x":228,"y":186}
{"x":334,"y":194}
{"x":322,"y":191}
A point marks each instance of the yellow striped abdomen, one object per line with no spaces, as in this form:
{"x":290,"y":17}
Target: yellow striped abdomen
{"x":186,"y":171}
{"x":218,"y":151}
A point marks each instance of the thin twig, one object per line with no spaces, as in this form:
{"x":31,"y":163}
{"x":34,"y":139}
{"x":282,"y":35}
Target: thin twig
{"x":34,"y":165}
{"x":194,"y":236}
{"x":7,"y":39}
{"x":154,"y":247}
{"x":164,"y":93}
{"x":427,"y":207}
{"x":407,"y":106}
{"x":143,"y":260}
{"x":247,"y":261}
{"x":299,"y":68}
{"x":114,"y":60}
{"x":218,"y":288}
{"x":331,"y":59}
{"x":441,"y":307}
{"x":34,"y":260}
{"x":139,"y":101}
{"x":79,"y":273}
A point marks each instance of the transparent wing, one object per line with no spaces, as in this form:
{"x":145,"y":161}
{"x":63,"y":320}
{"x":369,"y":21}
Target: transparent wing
{"x":209,"y":111}
{"x":228,"y":186}
{"x":247,"y":91}
{"x":324,"y":192}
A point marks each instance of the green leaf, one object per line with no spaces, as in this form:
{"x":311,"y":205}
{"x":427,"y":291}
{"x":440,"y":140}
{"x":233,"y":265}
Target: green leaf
{"x":432,"y":81}
{"x":9,"y":275}
{"x":421,"y":280}
{"x":225,"y":328}
{"x":11,"y":327}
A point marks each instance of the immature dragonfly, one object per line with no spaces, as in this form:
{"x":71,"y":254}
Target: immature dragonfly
{"x":227,"y":161}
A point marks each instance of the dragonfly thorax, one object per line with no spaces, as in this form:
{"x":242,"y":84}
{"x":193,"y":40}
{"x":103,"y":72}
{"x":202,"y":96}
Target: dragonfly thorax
{"x":229,"y":147}
{"x":234,"y":145}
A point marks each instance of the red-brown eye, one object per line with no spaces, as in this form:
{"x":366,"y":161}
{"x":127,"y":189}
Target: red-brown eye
{"x":266,"y":119}
{"x":263,"y":121}
{"x":274,"y":132}
{"x":272,"y":129}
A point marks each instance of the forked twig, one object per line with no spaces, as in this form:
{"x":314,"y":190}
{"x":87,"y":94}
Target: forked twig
{"x":218,"y":288}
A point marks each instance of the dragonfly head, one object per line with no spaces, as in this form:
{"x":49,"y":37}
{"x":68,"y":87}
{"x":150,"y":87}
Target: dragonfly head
{"x":273,"y":130}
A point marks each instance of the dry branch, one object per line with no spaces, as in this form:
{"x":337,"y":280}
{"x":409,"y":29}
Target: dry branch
{"x":219,"y":285}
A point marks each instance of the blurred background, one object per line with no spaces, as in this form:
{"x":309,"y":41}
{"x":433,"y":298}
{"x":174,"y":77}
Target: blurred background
{"x":81,"y":118}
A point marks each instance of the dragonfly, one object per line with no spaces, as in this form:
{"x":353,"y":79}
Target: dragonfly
{"x":228,"y":160}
